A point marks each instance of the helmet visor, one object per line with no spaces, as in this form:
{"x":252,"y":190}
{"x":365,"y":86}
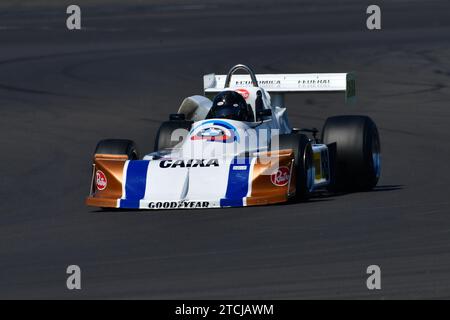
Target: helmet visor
{"x":225,"y":111}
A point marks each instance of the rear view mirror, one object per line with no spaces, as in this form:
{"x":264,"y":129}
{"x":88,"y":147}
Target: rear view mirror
{"x":177,"y":116}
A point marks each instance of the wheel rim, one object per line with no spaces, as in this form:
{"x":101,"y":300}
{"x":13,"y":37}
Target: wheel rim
{"x":376,"y":155}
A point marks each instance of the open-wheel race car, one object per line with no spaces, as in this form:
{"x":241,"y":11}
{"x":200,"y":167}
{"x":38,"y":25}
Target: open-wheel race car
{"x":238,"y":149}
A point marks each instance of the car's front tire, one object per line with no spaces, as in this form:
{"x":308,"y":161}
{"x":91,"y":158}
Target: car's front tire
{"x":171,"y":133}
{"x":118,"y":147}
{"x":303,"y":162}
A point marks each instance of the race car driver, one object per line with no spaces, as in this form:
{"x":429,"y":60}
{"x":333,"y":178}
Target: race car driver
{"x":230,"y":105}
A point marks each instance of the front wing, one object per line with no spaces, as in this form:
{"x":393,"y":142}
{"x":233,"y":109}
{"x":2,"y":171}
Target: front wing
{"x":265,"y":178}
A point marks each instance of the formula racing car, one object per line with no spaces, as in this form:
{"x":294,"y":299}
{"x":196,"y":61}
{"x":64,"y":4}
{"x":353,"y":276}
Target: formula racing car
{"x":235,"y":147}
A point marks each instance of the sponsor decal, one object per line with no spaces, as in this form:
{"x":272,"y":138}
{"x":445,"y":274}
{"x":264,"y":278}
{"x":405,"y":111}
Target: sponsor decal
{"x":281,"y":177}
{"x":215,"y":131}
{"x":262,"y":83}
{"x":314,"y":83}
{"x":100,"y":180}
{"x":178,"y":204}
{"x":243,"y":92}
{"x":191,"y":163}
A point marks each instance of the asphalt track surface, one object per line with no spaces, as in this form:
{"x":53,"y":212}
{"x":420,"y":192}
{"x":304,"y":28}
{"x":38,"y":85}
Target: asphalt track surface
{"x":130,"y":66}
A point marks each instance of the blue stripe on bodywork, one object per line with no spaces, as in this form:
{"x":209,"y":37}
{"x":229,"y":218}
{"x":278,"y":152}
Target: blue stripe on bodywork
{"x":237,"y":183}
{"x":136,"y":180}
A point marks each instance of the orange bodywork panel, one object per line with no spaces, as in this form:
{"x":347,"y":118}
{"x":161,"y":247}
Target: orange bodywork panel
{"x":110,"y":168}
{"x":265,"y":188}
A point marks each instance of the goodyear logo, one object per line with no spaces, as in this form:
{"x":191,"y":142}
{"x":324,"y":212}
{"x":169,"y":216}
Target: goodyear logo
{"x":178,"y":204}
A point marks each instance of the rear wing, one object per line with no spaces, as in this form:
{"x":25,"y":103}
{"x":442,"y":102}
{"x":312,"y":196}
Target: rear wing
{"x":279,"y":84}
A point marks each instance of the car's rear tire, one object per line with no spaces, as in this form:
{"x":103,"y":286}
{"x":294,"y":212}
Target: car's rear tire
{"x":118,"y":147}
{"x":303,"y":162}
{"x":357,"y":162}
{"x":171,"y":133}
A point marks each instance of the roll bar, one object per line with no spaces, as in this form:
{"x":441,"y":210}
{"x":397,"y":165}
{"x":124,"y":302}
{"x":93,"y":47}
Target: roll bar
{"x":241,"y":67}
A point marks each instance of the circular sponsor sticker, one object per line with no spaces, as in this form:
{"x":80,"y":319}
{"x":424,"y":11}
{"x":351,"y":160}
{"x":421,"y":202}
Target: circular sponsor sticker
{"x":243,"y":92}
{"x":280,"y":177}
{"x":214,"y":133}
{"x":100,"y":180}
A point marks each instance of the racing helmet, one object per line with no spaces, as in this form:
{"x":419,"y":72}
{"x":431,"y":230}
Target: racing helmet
{"x":230,"y":105}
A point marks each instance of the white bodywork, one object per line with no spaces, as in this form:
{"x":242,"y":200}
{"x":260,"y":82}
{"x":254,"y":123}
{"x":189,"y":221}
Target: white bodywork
{"x":176,"y":179}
